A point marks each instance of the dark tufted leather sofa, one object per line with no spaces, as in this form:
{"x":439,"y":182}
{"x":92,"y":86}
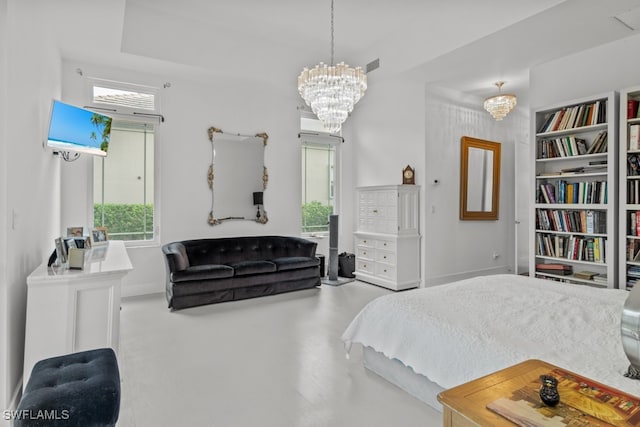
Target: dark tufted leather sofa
{"x":207,"y":271}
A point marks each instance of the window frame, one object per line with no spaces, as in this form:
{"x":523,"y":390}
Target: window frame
{"x":121,"y":113}
{"x":121,"y":109}
{"x":320,"y":139}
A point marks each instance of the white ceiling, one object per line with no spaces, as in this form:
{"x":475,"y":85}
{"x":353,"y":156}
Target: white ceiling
{"x":462,"y":44}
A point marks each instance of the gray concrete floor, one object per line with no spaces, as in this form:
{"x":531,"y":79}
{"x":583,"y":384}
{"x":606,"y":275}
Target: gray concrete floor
{"x":270,"y":361}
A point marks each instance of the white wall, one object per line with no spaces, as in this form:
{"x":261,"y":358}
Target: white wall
{"x":386,"y":133}
{"x":30,"y":183}
{"x":458,"y":249}
{"x":399,"y":123}
{"x":612,"y":66}
{"x":184,"y":153}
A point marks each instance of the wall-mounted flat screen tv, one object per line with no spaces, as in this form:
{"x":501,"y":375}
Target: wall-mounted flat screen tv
{"x":78,"y":130}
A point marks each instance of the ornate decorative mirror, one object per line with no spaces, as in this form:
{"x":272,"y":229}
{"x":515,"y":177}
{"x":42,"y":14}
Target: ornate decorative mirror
{"x":479,"y":179}
{"x":237,"y":177}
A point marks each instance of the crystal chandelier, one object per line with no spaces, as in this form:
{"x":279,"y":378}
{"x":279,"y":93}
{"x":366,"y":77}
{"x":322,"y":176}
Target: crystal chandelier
{"x":501,"y":104}
{"x":332,"y":90}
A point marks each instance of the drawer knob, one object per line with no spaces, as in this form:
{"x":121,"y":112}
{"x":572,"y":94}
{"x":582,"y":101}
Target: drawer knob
{"x":384,"y":244}
{"x":385,"y":270}
{"x":385,"y":257}
{"x":375,"y":211}
{"x":365,"y":266}
{"x":364,"y":253}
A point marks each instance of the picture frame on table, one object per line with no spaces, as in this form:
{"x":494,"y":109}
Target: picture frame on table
{"x":75,"y":231}
{"x":99,"y":236}
{"x":61,"y":251}
{"x":69,"y":243}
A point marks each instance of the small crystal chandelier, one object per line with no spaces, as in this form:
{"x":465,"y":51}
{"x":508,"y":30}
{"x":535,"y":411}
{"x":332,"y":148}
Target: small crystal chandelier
{"x":501,"y":104}
{"x":332,"y":90}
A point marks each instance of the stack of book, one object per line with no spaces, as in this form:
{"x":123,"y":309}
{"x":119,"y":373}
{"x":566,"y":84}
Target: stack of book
{"x":559,"y":269}
{"x":633,"y":275}
{"x":600,"y":279}
{"x":586,"y":275}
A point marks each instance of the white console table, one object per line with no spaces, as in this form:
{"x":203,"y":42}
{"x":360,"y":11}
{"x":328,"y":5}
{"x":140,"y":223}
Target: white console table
{"x":75,"y":310}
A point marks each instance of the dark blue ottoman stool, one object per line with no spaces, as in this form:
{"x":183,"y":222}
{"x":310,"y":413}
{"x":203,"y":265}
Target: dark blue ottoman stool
{"x":79,"y":389}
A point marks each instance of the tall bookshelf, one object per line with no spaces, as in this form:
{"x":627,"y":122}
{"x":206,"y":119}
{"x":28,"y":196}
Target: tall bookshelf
{"x":574,"y":212}
{"x":629,"y":229}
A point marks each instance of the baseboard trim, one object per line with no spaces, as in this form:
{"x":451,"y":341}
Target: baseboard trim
{"x":440,"y":280}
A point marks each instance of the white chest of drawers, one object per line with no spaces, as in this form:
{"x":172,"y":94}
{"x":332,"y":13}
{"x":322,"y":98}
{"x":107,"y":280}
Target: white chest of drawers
{"x":387,"y":241}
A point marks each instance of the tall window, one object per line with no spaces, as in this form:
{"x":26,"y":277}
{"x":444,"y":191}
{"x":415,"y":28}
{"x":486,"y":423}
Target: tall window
{"x":319,"y":176}
{"x":123,"y":184}
{"x":123,"y":181}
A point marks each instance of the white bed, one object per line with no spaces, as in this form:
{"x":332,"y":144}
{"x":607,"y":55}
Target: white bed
{"x":427,"y":340}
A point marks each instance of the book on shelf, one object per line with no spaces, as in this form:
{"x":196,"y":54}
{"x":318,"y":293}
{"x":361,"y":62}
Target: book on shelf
{"x":557,"y":269}
{"x":582,"y":169}
{"x":634,"y":137}
{"x":586,"y":275}
{"x":634,"y":271}
{"x":554,"y":266}
{"x":633,"y":192}
{"x":556,"y":122}
{"x":633,"y":165}
{"x":589,"y":221}
{"x":600,"y":278}
{"x":632,"y":108}
{"x":571,"y":221}
{"x":563,"y":122}
{"x":577,"y":248}
{"x":599,"y":144}
{"x":556,"y":272}
{"x":567,"y":146}
{"x":575,"y":117}
{"x":582,"y":192}
{"x":569,"y":170}
{"x":633,"y":250}
{"x":588,"y":112}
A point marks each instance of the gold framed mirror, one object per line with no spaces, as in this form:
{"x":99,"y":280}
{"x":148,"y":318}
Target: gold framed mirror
{"x":479,"y":179}
{"x":237,"y":177}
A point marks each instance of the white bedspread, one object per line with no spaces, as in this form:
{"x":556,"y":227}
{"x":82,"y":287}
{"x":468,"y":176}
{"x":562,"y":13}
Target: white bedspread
{"x":463,"y":330}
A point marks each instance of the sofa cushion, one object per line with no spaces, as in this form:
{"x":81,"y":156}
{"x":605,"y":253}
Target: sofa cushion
{"x":202,"y":272}
{"x":243,"y":268}
{"x":295,"y":262}
{"x":275,"y":277}
{"x":195,"y":287}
